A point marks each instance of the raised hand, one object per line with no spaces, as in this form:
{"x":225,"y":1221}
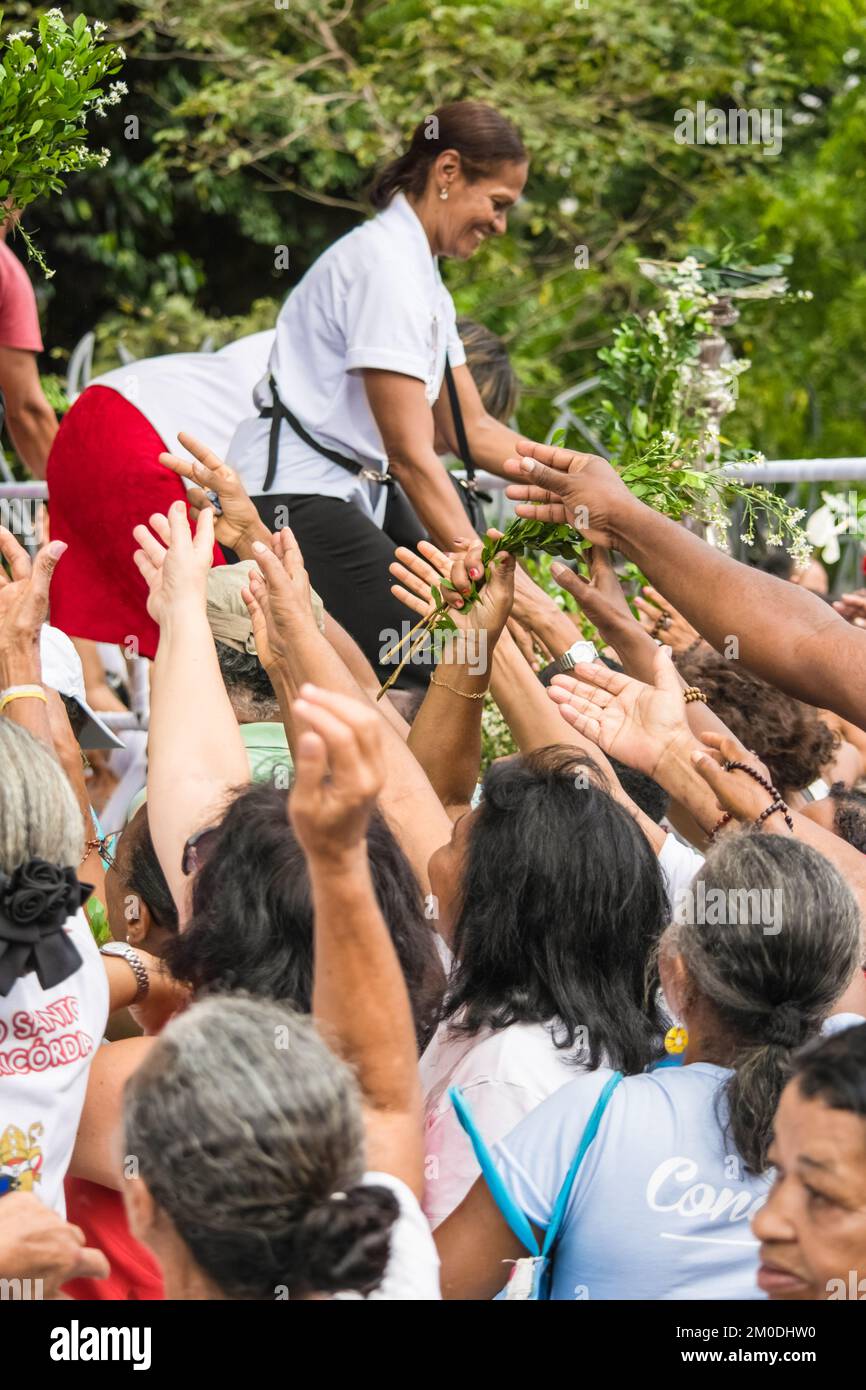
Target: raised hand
{"x":661,"y":620}
{"x":736,"y":792}
{"x":176,"y":565}
{"x":237,"y":522}
{"x":24,"y":598}
{"x":634,"y":722}
{"x":339,"y":772}
{"x":601,"y":596}
{"x":279,"y":597}
{"x":417,"y":573}
{"x":36,"y":1243}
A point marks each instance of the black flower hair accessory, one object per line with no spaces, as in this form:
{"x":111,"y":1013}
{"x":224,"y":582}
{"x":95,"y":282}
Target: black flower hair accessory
{"x":35,"y":902}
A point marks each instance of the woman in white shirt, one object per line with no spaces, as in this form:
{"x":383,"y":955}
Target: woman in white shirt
{"x":343,"y":446}
{"x":556,"y":904}
{"x":53,"y":987}
{"x":660,"y":1207}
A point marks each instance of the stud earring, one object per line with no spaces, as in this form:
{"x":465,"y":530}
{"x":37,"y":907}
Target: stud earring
{"x":443,"y":194}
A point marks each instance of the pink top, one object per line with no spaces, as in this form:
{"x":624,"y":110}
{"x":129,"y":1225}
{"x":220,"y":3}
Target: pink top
{"x":19,"y":321}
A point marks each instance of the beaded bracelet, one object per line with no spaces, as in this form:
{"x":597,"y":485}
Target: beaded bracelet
{"x":692,"y":693}
{"x":719,"y":825}
{"x":774,"y":806}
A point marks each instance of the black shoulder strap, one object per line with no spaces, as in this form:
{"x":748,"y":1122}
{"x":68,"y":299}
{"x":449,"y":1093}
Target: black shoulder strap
{"x":279,"y":412}
{"x":457,"y":416}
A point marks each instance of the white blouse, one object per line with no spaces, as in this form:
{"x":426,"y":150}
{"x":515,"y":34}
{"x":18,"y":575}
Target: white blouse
{"x":374,"y":299}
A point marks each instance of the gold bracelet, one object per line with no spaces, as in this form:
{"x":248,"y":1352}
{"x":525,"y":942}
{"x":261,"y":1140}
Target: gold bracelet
{"x":692,"y":693}
{"x":21,"y":692}
{"x":464,"y":694}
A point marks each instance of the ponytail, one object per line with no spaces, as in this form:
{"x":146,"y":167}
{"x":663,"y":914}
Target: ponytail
{"x":768,"y":985}
{"x":481,"y":135}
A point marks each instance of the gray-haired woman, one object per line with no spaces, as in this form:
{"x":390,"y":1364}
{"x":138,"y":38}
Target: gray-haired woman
{"x":660,"y":1207}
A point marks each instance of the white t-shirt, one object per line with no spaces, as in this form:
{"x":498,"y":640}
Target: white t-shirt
{"x":374,"y":299}
{"x":47,"y":1041}
{"x":504,"y":1074}
{"x":679,"y":863}
{"x":206,"y":394}
{"x":412,"y":1272}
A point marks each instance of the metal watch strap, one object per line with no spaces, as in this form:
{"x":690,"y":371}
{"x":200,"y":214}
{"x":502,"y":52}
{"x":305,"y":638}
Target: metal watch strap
{"x":135,"y":963}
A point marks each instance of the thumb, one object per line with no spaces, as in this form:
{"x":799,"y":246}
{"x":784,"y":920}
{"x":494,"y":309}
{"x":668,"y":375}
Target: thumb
{"x":569,"y":579}
{"x":665,"y":673}
{"x":538,"y":474}
{"x":43,"y":568}
{"x":311,"y":763}
{"x":90,"y":1264}
{"x":713,"y":775}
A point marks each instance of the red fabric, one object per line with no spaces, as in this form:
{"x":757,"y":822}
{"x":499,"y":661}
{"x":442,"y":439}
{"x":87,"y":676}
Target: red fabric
{"x":99,"y":1212}
{"x":104,"y":478}
{"x":19,"y":319}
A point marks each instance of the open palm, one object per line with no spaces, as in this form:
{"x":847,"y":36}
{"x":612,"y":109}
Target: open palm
{"x":629,"y":720}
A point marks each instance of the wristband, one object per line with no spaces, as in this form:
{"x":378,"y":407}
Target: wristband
{"x":692,"y":693}
{"x":21,"y":692}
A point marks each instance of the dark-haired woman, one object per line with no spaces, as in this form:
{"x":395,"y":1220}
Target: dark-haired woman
{"x":660,"y":1207}
{"x":556,"y":904}
{"x":343,"y":449}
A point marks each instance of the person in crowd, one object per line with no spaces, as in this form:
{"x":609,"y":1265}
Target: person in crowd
{"x":843,"y":811}
{"x":321,"y":1198}
{"x":107,"y":452}
{"x":368,"y":369}
{"x":30,"y":420}
{"x":660,"y":1207}
{"x":812,"y":1227}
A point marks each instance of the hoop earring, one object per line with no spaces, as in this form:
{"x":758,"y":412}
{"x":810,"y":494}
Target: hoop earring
{"x":443,"y":194}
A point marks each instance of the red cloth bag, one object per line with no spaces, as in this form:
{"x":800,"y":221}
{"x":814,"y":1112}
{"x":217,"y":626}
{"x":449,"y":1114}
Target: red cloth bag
{"x":104,"y":477}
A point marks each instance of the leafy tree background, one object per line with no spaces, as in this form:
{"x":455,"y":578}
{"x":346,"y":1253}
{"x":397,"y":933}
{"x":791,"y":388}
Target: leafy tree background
{"x":260,"y":126}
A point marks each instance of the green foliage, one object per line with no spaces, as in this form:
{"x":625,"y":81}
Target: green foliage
{"x":51,"y":81}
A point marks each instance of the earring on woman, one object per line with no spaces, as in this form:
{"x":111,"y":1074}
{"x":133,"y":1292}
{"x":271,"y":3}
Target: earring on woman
{"x":443,"y":193}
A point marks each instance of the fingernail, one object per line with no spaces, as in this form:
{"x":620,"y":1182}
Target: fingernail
{"x":556,"y":569}
{"x":259,"y":545}
{"x":697,"y":756}
{"x":475,"y":572}
{"x":56,"y":549}
{"x":528,"y":465}
{"x":460,"y":540}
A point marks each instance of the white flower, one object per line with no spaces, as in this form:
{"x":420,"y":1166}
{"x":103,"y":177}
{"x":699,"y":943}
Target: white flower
{"x":850,"y":56}
{"x":851,"y":81}
{"x":22,"y":36}
{"x":809,"y":99}
{"x":568,"y":206}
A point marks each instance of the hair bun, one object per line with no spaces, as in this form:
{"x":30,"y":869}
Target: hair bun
{"x":787,"y":1025}
{"x":343,"y":1243}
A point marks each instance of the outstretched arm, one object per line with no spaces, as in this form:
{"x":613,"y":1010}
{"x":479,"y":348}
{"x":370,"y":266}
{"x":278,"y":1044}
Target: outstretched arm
{"x":360,"y":1000}
{"x":196,"y":754}
{"x":783,"y":633}
{"x":300,"y":653}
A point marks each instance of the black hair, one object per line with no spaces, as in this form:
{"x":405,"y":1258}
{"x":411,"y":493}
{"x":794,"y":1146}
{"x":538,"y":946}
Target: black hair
{"x":488,"y":361}
{"x":143,"y":873}
{"x":645,"y":793}
{"x":242,"y":671}
{"x":562,"y":905}
{"x":480,"y":134}
{"x":834,"y":1070}
{"x":251,"y":926}
{"x":849,"y":817}
{"x":773,"y":560}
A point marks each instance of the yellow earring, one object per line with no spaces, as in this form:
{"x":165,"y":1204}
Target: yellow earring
{"x":676,"y":1040}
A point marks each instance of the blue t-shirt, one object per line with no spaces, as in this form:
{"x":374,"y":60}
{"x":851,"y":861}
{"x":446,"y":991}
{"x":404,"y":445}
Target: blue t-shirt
{"x":661,"y":1206}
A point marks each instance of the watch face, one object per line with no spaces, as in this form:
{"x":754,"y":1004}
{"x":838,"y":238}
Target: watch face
{"x":581,"y":651}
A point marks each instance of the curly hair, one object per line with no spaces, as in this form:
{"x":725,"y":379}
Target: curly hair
{"x":790,"y":737}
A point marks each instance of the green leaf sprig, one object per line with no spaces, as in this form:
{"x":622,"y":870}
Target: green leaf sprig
{"x":521,"y":537}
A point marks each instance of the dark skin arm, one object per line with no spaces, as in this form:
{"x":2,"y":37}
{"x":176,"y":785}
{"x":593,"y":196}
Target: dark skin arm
{"x":784,"y":634}
{"x":476,"y":1247}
